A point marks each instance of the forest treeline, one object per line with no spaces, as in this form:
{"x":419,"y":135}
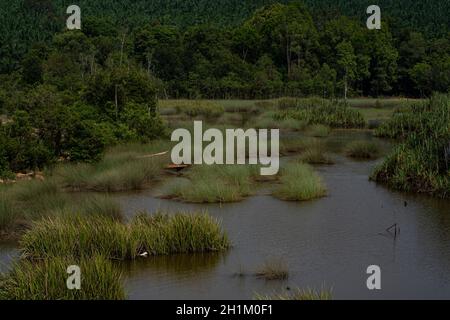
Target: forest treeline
{"x":279,"y":50}
{"x":69,"y":97}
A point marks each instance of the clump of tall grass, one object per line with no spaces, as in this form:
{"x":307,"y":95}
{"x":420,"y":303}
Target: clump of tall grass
{"x":215,"y":184}
{"x":299,"y":182}
{"x":363,"y":150}
{"x":27,"y":201}
{"x":287,"y":103}
{"x":46,"y":280}
{"x":316,"y":155}
{"x":197,"y":108}
{"x":273,"y":270}
{"x":403,"y":121}
{"x":87,"y":236}
{"x":8,"y":214}
{"x":421,"y":163}
{"x":318,"y":131}
{"x":268,"y":120}
{"x":330,"y":113}
{"x":120,"y":170}
{"x":297,"y":294}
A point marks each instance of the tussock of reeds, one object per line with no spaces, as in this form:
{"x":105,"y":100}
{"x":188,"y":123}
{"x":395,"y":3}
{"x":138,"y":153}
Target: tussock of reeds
{"x":216,"y":184}
{"x":86,"y":236}
{"x":363,"y":150}
{"x":47,"y":280}
{"x":299,"y":182}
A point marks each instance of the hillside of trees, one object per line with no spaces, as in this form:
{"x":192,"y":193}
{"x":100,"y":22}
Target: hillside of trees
{"x":25,"y":22}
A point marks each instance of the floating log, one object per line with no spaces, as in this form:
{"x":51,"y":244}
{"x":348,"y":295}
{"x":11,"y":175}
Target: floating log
{"x":154,"y":155}
{"x":177,"y":167}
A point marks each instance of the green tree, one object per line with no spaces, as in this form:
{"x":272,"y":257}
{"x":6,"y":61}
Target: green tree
{"x":347,"y":64}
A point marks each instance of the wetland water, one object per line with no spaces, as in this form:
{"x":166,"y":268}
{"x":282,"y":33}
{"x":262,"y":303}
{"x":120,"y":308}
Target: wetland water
{"x":327,"y":243}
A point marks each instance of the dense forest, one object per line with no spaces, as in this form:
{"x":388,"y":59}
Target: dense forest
{"x":25,"y":22}
{"x":68,"y":94}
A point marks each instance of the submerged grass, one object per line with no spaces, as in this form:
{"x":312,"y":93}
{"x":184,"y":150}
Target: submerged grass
{"x":316,"y":155}
{"x":215,"y":184}
{"x":273,"y":270}
{"x":46,"y":280}
{"x":87,"y":236}
{"x":297,"y":294}
{"x":299,"y":182}
{"x":421,"y":163}
{"x":363,"y":150}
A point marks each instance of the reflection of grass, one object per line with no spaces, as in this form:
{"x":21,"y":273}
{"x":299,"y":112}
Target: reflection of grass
{"x":86,"y":236}
{"x":363,"y":150}
{"x":298,"y":183}
{"x":46,"y":280}
{"x":273,"y":270}
{"x":216,"y":183}
{"x":298,"y":294}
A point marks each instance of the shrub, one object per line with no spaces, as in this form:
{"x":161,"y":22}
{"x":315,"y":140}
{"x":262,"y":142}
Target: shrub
{"x":363,"y":150}
{"x":46,"y":280}
{"x":421,"y":162}
{"x":215,"y":184}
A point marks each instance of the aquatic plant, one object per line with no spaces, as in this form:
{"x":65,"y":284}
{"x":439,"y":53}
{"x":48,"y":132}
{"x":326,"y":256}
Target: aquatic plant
{"x":27,"y":201}
{"x":330,"y":113}
{"x":195,"y":108}
{"x":363,"y":150}
{"x":86,"y":236}
{"x":316,"y":155}
{"x":420,"y":163}
{"x":299,"y":182}
{"x":46,"y":280}
{"x":122,"y":169}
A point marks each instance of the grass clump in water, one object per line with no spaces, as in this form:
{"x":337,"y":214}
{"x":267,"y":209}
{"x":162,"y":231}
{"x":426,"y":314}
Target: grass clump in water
{"x":318,"y":131}
{"x":421,"y":163}
{"x":46,"y":280}
{"x":363,"y":150}
{"x":87,"y":236}
{"x":215,"y":184}
{"x":299,"y":182}
{"x":298,"y":294}
{"x":273,"y":270}
{"x":316,"y":155}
